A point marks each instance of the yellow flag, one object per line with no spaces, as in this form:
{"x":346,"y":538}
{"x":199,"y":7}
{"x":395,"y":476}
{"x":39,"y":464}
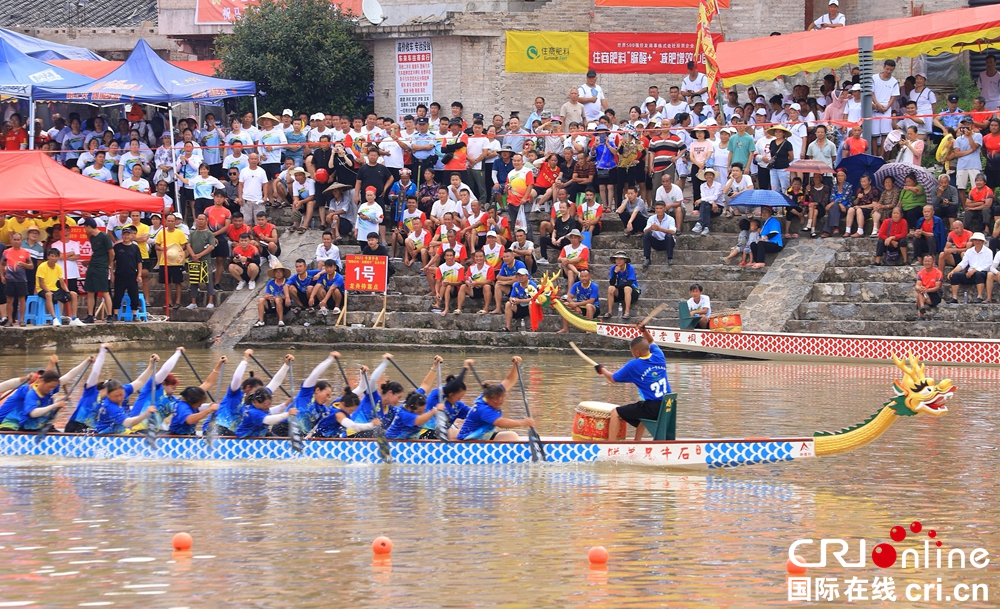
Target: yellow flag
{"x":543,"y":51}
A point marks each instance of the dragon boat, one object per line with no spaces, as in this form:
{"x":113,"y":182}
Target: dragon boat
{"x":799,"y":348}
{"x":915,"y":394}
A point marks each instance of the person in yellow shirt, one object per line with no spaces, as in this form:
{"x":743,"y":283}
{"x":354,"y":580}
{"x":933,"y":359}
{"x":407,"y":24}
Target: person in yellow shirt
{"x":142,"y":240}
{"x":5,"y":230}
{"x":19,"y":224}
{"x":52,"y":287}
{"x":174,"y":243}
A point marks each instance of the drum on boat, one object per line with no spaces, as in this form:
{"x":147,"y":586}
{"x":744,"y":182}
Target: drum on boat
{"x":591,"y":422}
{"x":725,"y":321}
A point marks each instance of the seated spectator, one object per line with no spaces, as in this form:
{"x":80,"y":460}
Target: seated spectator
{"x":944,"y":198}
{"x":449,"y":279}
{"x":406,"y":222}
{"x":517,"y":305}
{"x":972,"y":270}
{"x":589,"y":213}
{"x":326,"y":250}
{"x":583,"y":299}
{"x":244,"y":265}
{"x":928,"y":286}
{"x":978,"y":205}
{"x":841,"y":198}
{"x":699,"y":306}
{"x":892,"y":239}
{"x":710,"y":204}
{"x":748,"y":235}
{"x":442,"y":206}
{"x":546,"y":226}
{"x":328,"y":287}
{"x":739,"y":181}
{"x":659,"y":234}
{"x":956,"y":244}
{"x":52,"y":287}
{"x":797,"y":194}
{"x":492,"y":250}
{"x":865,"y":202}
{"x":506,"y":276}
{"x":374,"y":247}
{"x":417,"y":244}
{"x":300,"y":286}
{"x":447,"y":225}
{"x":303,"y":192}
{"x":886,"y":203}
{"x":265,"y":235}
{"x":770,"y":240}
{"x":500,"y":224}
{"x":341,"y":212}
{"x":479,"y":279}
{"x":928,"y":235}
{"x":281,"y":185}
{"x":623,"y":287}
{"x":911,"y":147}
{"x":817,"y":199}
{"x":912,"y":199}
{"x":523,"y":249}
{"x":452,"y":243}
{"x":276,"y":297}
{"x":993,"y":276}
{"x":574,"y":257}
{"x":476,"y":225}
{"x":559,"y":233}
{"x":633,"y":211}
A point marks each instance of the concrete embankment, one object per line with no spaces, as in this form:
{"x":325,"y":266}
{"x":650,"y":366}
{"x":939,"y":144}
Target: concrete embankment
{"x":147,"y":336}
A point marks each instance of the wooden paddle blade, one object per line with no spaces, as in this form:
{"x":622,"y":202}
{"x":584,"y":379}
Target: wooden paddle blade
{"x":535,"y":444}
{"x":582,"y":355}
{"x":659,"y":309}
{"x":441,"y":426}
{"x":295,"y":434}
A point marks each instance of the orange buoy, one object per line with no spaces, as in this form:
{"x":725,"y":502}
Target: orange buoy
{"x":382,"y":545}
{"x":793,"y":568}
{"x":182,"y":541}
{"x":598,"y":555}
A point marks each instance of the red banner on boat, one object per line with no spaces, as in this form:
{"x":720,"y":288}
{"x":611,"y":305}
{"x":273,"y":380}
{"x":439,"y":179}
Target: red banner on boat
{"x":366,"y":273}
{"x":644,"y":53}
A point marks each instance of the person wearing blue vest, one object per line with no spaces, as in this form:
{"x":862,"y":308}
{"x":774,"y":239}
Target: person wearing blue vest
{"x":648,"y":372}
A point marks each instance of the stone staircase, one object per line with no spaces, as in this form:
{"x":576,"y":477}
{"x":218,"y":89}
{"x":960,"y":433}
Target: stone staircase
{"x":855,"y":297}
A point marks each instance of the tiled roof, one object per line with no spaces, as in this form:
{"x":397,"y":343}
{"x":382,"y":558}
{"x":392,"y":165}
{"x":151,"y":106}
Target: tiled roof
{"x":93,"y":14}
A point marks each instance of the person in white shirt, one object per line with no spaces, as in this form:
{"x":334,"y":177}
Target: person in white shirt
{"x":885,"y":90}
{"x":250,"y":196}
{"x":710,"y":203}
{"x":136,"y":182}
{"x":672,"y":197}
{"x":992,"y":277}
{"x":237,"y":160}
{"x":833,"y":18}
{"x":699,"y":306}
{"x":328,"y":251}
{"x":852,"y":110}
{"x":694,"y":83}
{"x":134,"y":156}
{"x":445,"y":205}
{"x":592,"y":97}
{"x":676,"y":105}
{"x":972,"y":270}
{"x":658,"y":234}
{"x":738,"y":182}
{"x":988,"y":82}
{"x":98,"y":171}
{"x":654,"y":93}
{"x":390,"y":151}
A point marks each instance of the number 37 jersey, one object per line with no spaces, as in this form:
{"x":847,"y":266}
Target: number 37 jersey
{"x":648,"y":373}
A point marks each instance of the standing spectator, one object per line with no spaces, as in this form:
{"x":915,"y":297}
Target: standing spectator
{"x":520,"y":181}
{"x":17,"y":261}
{"x":203,"y":245}
{"x":989,"y":83}
{"x":481,"y":150}
{"x":692,"y":85}
{"x":928,"y":286}
{"x":373,"y":175}
{"x":128,"y":263}
{"x":885,"y":90}
{"x":701,"y":152}
{"x":659,"y":234}
{"x":102,"y":256}
{"x":991,"y":149}
{"x":69,"y":253}
{"x":972,"y":270}
{"x":370,"y":216}
{"x":821,"y":149}
{"x":591,"y":95}
{"x":16,"y":137}
{"x":573,"y":111}
{"x":966,"y":150}
{"x":52,"y":288}
{"x":251,"y":192}
{"x":135,"y":181}
{"x":925,"y":100}
{"x":173,"y":249}
{"x":270,"y":140}
{"x":781,"y":155}
{"x":892,"y":238}
{"x":672,"y":197}
{"x":515,"y":136}
{"x":831,"y":19}
{"x":928,"y":235}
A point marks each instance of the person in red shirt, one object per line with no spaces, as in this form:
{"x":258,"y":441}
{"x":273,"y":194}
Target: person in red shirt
{"x":219,"y":222}
{"x":991,"y":148}
{"x":456,"y":143}
{"x":954,"y":249}
{"x":928,"y":286}
{"x":546,"y":179}
{"x":855,"y":144}
{"x":266,"y":236}
{"x":17,"y":136}
{"x":245,"y":265}
{"x":450,"y":278}
{"x":892,"y":236}
{"x":236,"y":228}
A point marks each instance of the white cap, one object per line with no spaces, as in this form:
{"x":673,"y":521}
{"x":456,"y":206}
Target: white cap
{"x":287,"y":112}
{"x":833,"y":3}
{"x":697,"y":99}
{"x":795,"y":107}
{"x":761,"y":112}
{"x":317,"y":117}
{"x":856,"y":86}
{"x":491,"y":233}
{"x":760,"y":100}
{"x":978,"y":237}
{"x":649,"y":100}
{"x":522,"y":272}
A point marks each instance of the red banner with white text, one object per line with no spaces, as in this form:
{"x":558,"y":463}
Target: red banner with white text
{"x":657,"y":3}
{"x":644,"y":53}
{"x":228,"y":11}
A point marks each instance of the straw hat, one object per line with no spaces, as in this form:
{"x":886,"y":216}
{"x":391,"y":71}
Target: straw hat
{"x":621,"y":254}
{"x":268,"y":116}
{"x":783,"y":128}
{"x":337,"y":185}
{"x":277,"y":266}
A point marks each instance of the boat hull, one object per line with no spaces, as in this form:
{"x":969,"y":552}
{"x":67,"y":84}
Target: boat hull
{"x":818,"y":348}
{"x":680,"y":454}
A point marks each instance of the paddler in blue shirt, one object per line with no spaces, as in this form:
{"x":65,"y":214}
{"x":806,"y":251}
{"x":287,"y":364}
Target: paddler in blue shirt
{"x":87,"y":407}
{"x":112,"y":417}
{"x":648,"y":371}
{"x":310,"y":401}
{"x":260,"y":415}
{"x":411,"y":417}
{"x":486,"y":416}
{"x":190,"y":411}
{"x":231,"y":406}
{"x":28,"y":408}
{"x":454,"y":390}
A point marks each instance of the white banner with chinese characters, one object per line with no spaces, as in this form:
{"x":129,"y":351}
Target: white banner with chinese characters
{"x":414,"y":75}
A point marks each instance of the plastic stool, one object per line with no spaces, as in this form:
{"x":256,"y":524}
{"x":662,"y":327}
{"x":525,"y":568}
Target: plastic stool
{"x":35,"y":313}
{"x":125,"y":312}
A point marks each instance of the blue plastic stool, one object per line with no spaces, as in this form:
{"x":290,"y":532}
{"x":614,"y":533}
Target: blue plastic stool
{"x":125,"y":312}
{"x":34,"y":311}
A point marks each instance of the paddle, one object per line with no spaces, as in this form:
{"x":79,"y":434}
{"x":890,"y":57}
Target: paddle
{"x":383,"y":445}
{"x":534,"y":442}
{"x":408,"y":379}
{"x":264,"y":370}
{"x":347,"y":383}
{"x":195,"y":372}
{"x":596,"y":366}
{"x":476,"y":374}
{"x":213,"y":429}
{"x":120,"y":367}
{"x":150,"y":433}
{"x":44,"y":429}
{"x":441,"y":418}
{"x":659,"y":309}
{"x":294,"y":430}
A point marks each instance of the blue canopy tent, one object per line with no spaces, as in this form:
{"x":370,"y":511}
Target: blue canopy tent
{"x":21,"y":75}
{"x":45,"y":50}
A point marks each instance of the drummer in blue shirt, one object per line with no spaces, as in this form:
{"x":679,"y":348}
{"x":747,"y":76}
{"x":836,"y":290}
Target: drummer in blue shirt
{"x":648,"y":372}
{"x":486,"y":416}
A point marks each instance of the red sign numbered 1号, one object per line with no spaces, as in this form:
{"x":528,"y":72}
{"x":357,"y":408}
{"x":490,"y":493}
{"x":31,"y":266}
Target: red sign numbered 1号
{"x":366,"y":273}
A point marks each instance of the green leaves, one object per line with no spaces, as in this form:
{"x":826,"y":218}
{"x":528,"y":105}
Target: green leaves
{"x":302,"y":55}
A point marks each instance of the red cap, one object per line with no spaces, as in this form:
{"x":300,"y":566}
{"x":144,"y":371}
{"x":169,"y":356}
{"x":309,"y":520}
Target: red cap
{"x":371,"y":189}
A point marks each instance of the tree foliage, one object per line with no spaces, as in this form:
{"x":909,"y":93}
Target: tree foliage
{"x":302,"y":55}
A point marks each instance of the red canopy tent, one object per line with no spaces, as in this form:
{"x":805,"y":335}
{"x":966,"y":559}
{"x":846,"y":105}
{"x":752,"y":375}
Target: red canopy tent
{"x":100,"y":69}
{"x":33,"y":181}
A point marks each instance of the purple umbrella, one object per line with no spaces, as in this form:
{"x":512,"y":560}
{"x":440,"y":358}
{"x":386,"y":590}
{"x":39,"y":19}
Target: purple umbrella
{"x":899,"y":171}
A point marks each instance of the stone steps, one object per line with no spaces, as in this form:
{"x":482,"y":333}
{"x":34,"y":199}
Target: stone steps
{"x":861,"y":274}
{"x":868,"y":291}
{"x":897,"y":311}
{"x":932,"y":328}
